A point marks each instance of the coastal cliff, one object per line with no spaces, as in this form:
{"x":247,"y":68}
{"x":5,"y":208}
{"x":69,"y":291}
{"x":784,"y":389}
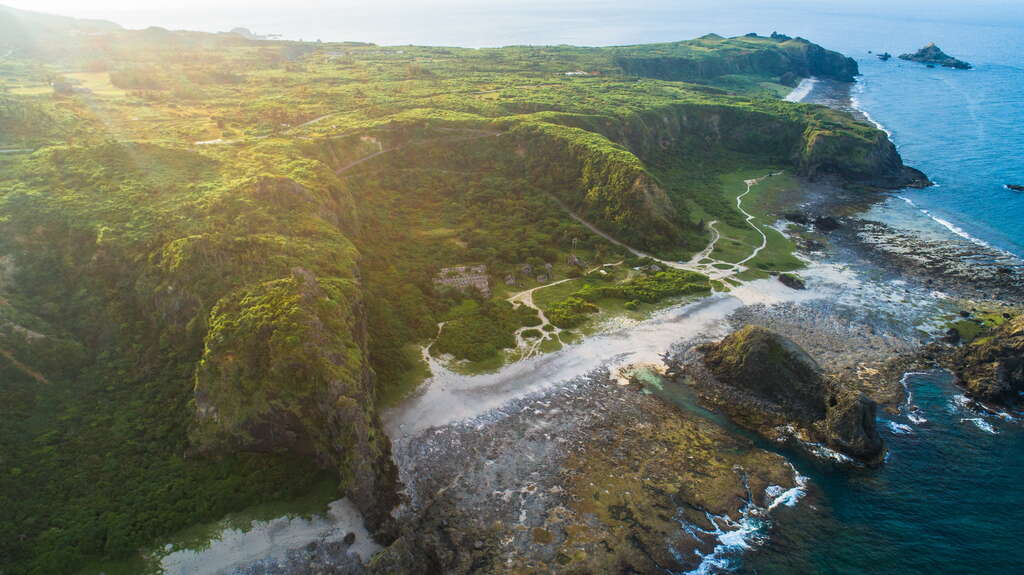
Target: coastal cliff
{"x":712,"y":56}
{"x":229,"y":291}
{"x":991,"y":368}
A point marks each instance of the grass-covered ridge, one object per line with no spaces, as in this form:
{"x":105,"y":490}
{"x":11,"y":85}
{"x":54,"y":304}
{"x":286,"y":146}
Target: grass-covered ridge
{"x":217,"y":254}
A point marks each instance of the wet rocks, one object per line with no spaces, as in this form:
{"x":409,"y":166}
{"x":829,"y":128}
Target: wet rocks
{"x":792,"y":281}
{"x":764,"y":381}
{"x":957,"y":265}
{"x":592,"y":477}
{"x":992,"y":368}
{"x":850,"y":424}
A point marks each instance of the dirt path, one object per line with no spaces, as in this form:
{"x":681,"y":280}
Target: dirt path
{"x":548,"y":330}
{"x":724,"y":272}
{"x":24,"y":368}
{"x":706,"y":252}
{"x":750,"y":220}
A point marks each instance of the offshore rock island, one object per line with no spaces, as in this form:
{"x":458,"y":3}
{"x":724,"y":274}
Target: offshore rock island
{"x":219,"y":291}
{"x":933,"y":55}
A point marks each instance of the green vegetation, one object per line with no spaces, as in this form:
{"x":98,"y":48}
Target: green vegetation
{"x":217,"y":254}
{"x":477,"y":332}
{"x":568,"y":305}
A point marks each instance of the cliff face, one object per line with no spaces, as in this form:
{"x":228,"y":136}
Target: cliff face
{"x":285,"y":370}
{"x":597,"y":165}
{"x":763,"y":380}
{"x":992,"y":367}
{"x":710,"y":57}
{"x":254,"y":291}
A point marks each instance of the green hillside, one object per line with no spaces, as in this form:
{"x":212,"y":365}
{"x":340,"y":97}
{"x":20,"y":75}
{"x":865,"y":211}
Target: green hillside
{"x":216,"y":253}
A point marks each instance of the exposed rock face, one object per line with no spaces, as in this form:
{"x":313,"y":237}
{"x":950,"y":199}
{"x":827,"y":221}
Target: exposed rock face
{"x":284,"y":370}
{"x":850,"y":424}
{"x":932,"y":54}
{"x":782,"y":56}
{"x":992,"y":368}
{"x":763,"y":380}
{"x":770,"y":367}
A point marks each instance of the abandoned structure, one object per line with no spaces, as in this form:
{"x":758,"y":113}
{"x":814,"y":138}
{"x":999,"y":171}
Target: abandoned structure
{"x":464,"y":278}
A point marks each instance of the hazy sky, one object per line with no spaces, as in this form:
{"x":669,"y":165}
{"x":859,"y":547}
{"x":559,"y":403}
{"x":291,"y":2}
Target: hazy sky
{"x":501,"y":22}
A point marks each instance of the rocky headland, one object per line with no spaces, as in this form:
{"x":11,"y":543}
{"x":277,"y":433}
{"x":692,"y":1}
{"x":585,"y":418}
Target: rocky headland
{"x":991,"y":367}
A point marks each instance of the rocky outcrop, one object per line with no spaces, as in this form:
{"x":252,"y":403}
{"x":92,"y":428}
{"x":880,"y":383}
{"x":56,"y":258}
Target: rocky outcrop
{"x":792,"y":281}
{"x":933,"y":55}
{"x":284,"y":370}
{"x":991,"y":368}
{"x":850,"y":424}
{"x":764,"y":381}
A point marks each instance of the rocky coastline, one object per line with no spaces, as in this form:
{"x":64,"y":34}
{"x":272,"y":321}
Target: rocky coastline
{"x":599,"y":475}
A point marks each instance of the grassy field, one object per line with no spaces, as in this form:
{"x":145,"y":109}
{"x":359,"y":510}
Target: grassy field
{"x":738,"y":242}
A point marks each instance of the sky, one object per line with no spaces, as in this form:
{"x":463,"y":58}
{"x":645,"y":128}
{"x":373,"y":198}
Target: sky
{"x":502,"y":22}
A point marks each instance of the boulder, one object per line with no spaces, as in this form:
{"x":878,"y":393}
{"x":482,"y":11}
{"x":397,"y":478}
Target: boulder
{"x":850,"y":425}
{"x":792,"y":281}
{"x":770,"y":381}
{"x":771,"y":367}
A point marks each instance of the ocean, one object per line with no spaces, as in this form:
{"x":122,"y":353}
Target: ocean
{"x":948,"y":499}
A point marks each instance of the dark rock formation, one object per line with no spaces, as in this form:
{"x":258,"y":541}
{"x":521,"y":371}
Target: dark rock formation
{"x":763,"y":380}
{"x":826,"y":223}
{"x":932,"y":54}
{"x":771,"y":367}
{"x":850,"y":424}
{"x":992,"y":368}
{"x":792,"y":281}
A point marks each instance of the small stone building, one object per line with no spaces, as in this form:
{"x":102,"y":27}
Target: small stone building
{"x":463,"y":278}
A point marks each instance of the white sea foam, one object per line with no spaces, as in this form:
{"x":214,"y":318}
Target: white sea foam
{"x":787,"y":497}
{"x":915,"y":417}
{"x":803,"y":90}
{"x":743,"y":534}
{"x":900,"y":428}
{"x":823,"y":452}
{"x":956,"y":229}
{"x":981,"y":423}
{"x":855,"y":101}
{"x":959,"y":401}
{"x":913,"y":412}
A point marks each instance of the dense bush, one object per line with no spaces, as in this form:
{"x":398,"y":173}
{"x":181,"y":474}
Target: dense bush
{"x":480,"y":331}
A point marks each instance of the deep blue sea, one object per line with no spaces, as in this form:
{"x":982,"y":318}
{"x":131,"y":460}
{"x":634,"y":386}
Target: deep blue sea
{"x":950,"y":498}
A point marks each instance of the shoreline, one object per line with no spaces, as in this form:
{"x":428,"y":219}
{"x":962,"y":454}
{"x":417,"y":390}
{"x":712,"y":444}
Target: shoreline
{"x":539,"y":397}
